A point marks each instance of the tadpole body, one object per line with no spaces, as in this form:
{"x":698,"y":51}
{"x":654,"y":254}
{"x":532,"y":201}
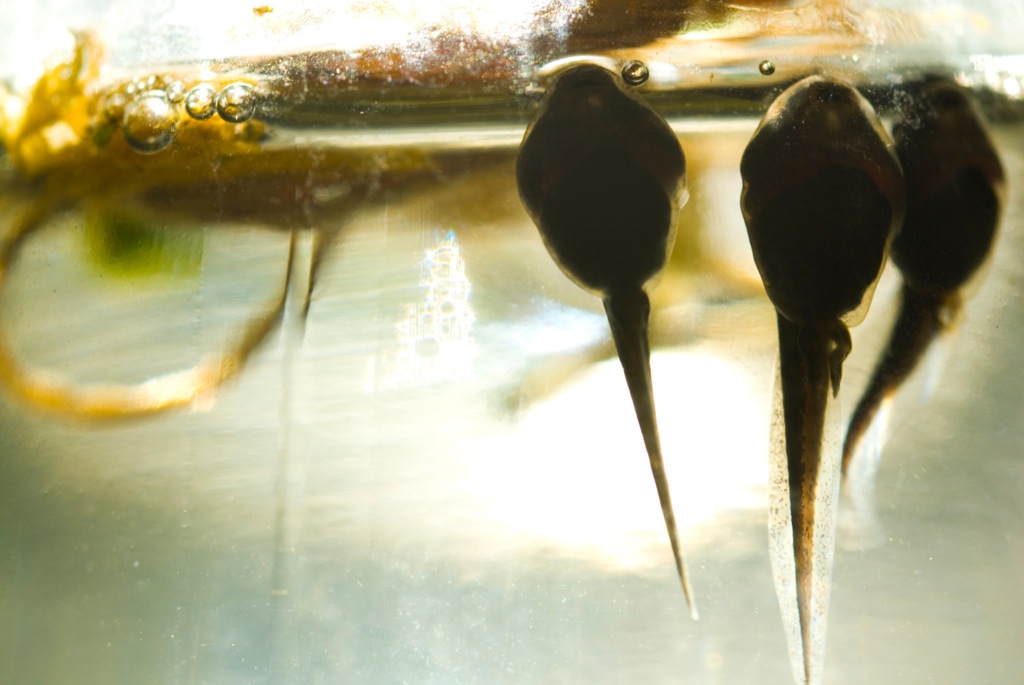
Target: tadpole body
{"x":603,"y":177}
{"x":955,"y":183}
{"x":822,"y":197}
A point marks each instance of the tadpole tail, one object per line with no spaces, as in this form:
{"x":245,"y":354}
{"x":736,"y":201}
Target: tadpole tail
{"x":807,"y":374}
{"x":919,"y":322}
{"x":628,"y":315}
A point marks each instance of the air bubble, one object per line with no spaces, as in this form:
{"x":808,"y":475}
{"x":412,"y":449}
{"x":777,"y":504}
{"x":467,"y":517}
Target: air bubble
{"x":767,"y":67}
{"x":149,"y":121}
{"x":635,"y":73}
{"x":200,"y":102}
{"x":236,"y":103}
{"x":176,"y":92}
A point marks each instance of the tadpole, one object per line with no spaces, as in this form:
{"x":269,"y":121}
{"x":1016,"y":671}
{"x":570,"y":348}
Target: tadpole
{"x":822,"y":197}
{"x":955,"y":183}
{"x":603,"y":176}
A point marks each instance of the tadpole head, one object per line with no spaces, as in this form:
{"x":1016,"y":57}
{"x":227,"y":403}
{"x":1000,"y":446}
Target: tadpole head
{"x":603,"y":177}
{"x":822,"y":197}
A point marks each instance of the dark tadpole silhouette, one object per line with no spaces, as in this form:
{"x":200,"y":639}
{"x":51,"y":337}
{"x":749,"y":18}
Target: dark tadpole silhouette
{"x":603,"y":177}
{"x":954,"y":182}
{"x":822,"y":197}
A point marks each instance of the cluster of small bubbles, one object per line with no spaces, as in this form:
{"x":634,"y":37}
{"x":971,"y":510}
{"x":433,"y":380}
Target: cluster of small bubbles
{"x":766,"y":67}
{"x":200,"y":103}
{"x":147,"y":109}
{"x":635,"y":72}
{"x":148,"y":122}
{"x":236,"y":103}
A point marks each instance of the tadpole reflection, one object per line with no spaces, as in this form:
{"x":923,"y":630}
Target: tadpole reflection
{"x":955,"y":188}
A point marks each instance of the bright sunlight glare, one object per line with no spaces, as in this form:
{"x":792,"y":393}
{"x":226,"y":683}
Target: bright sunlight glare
{"x":576,"y":476}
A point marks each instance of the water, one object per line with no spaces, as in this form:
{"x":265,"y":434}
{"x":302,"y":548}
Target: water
{"x":377,"y":497}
